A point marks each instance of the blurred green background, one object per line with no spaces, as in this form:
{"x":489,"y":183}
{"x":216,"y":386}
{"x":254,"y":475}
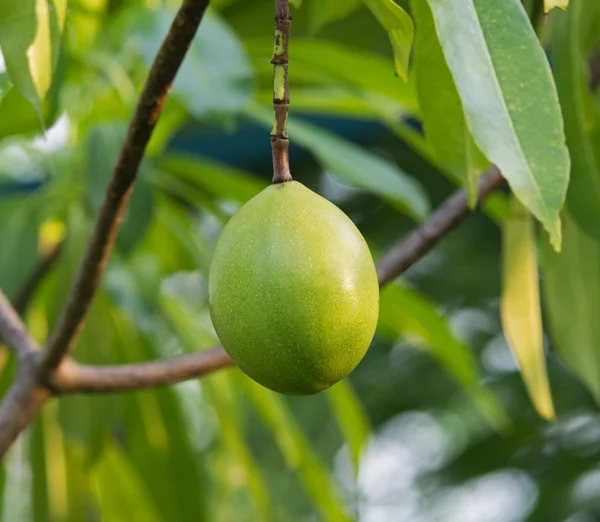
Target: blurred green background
{"x":434,"y":425}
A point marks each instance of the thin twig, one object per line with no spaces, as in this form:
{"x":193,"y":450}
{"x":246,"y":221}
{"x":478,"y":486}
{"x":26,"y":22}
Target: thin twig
{"x":281,"y":93}
{"x":21,"y":301}
{"x":73,"y":377}
{"x":13,"y":331}
{"x":156,"y":89}
{"x":423,"y":238}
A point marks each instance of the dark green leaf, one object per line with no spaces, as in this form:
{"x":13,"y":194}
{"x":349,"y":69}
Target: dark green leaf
{"x":30,"y":38}
{"x":571,"y":282}
{"x":441,"y":108}
{"x":581,"y":114}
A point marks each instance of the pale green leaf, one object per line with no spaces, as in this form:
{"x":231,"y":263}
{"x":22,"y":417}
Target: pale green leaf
{"x":323,"y":12}
{"x":520,"y":305}
{"x":407,"y":313}
{"x":356,"y":166}
{"x":120,"y":491}
{"x":296,"y":449}
{"x":509,"y":97}
{"x":30,"y":38}
{"x":581,"y":114}
{"x":221,"y":390}
{"x":351,"y":418}
{"x":400,"y":29}
{"x":571,"y":283}
{"x":441,"y":109}
{"x":216,"y":77}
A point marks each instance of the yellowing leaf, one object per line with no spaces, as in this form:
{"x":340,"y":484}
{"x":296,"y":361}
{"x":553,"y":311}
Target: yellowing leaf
{"x":551,"y":4}
{"x":400,"y":29}
{"x":521,"y":314}
{"x":30,"y":37}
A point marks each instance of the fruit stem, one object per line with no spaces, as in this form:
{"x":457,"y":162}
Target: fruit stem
{"x":281,"y":93}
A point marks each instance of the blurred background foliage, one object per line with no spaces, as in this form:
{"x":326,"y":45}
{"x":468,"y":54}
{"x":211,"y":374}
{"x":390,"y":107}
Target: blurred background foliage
{"x":434,"y":425}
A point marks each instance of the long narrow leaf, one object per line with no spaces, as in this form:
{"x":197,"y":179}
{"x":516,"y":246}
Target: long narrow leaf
{"x":521,"y":313}
{"x":511,"y":104}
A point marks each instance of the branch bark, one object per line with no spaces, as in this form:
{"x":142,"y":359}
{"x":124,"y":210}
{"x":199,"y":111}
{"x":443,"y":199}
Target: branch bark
{"x":34,"y":382}
{"x":423,"y":238}
{"x":157,"y":87}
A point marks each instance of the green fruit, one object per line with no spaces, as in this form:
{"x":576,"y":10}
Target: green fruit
{"x":293,"y":291}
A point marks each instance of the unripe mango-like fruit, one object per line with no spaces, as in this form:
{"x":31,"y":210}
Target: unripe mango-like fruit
{"x":293,"y":291}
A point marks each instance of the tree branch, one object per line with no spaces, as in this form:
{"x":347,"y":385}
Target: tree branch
{"x":156,"y":89}
{"x":423,"y":238}
{"x":74,"y":377}
{"x":34,"y":382}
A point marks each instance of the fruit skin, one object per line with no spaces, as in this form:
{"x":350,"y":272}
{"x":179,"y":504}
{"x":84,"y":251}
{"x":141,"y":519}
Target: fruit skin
{"x":293,"y":291}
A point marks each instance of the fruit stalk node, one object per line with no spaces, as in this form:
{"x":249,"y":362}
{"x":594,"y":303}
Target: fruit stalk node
{"x":281,"y":93}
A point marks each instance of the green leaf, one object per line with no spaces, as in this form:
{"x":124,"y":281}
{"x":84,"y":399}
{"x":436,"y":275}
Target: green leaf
{"x":220,"y":180}
{"x":221,"y":389}
{"x":325,"y":64}
{"x":19,"y":116}
{"x":520,"y":305}
{"x":355,"y":166}
{"x":20,"y":218}
{"x":351,"y":418}
{"x":551,"y":4}
{"x":571,"y":284}
{"x":441,"y":109}
{"x":295,"y":449}
{"x":581,"y":114}
{"x":223,"y":396}
{"x":115,"y":485}
{"x":509,"y":97}
{"x":30,"y":38}
{"x":400,"y":30}
{"x":405,"y":312}
{"x":323,"y":12}
{"x":215,"y":77}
